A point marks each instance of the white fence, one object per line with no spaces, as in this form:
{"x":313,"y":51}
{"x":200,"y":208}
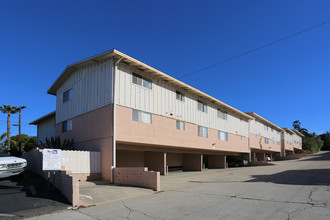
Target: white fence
{"x":81,"y":161}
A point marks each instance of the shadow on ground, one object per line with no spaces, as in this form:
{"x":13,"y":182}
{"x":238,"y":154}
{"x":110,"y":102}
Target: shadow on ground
{"x":27,"y":195}
{"x":296,"y":177}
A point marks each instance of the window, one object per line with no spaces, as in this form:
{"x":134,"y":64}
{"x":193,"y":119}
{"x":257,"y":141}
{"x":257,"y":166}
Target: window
{"x":66,"y":125}
{"x":272,"y":130}
{"x":67,"y":95}
{"x":242,"y":137}
{"x":202,"y":131}
{"x":266,"y":140}
{"x":277,"y":132}
{"x":202,"y":106}
{"x":179,"y":96}
{"x":142,"y":81}
{"x":272,"y":141}
{"x":278,"y":143}
{"x":222,"y":115}
{"x":141,"y":116}
{"x":180,"y":125}
{"x":266,"y":128}
{"x":223,"y":136}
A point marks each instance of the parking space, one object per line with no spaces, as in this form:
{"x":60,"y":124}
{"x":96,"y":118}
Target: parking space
{"x":26,"y":195}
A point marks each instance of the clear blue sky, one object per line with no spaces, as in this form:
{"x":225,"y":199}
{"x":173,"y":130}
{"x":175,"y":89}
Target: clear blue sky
{"x":284,"y":82}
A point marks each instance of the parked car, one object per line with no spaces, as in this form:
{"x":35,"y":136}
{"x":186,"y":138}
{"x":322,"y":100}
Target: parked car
{"x":10,"y":166}
{"x":236,"y":162}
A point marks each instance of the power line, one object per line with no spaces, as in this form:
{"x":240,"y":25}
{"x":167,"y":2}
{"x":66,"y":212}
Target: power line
{"x":256,"y":49}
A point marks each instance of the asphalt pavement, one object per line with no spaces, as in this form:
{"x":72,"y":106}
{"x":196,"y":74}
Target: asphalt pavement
{"x":27,"y":195}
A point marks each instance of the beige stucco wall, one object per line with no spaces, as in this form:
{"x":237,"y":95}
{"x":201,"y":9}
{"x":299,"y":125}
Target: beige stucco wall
{"x":258,"y":142}
{"x":93,"y":131}
{"x":163,"y":132}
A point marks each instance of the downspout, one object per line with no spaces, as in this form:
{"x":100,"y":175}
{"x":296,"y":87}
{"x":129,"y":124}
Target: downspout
{"x":114,"y":117}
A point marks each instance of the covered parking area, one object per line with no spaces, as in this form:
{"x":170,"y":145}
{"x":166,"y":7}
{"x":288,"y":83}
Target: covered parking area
{"x":165,"y":159}
{"x":261,"y":155}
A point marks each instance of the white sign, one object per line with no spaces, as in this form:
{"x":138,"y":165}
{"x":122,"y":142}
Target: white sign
{"x":52,"y":159}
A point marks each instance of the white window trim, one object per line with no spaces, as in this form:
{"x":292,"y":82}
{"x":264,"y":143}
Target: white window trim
{"x":203,"y":131}
{"x":141,"y":116}
{"x":201,"y":106}
{"x":179,"y":96}
{"x":67,"y":125}
{"x":69,"y":95}
{"x":180,"y":125}
{"x":141,"y":80}
{"x":223,"y":136}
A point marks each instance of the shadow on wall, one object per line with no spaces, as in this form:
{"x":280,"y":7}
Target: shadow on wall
{"x":296,"y":177}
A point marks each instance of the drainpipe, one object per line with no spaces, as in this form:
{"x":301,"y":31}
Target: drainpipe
{"x":114,"y":117}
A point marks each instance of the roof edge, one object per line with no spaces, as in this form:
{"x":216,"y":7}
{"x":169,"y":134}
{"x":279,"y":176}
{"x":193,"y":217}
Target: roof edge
{"x":36,"y":122}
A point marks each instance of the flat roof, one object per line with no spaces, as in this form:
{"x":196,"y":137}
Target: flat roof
{"x":37,"y":121}
{"x":145,"y":68}
{"x":255,"y":115}
{"x":298,"y":133}
{"x":288,"y":130}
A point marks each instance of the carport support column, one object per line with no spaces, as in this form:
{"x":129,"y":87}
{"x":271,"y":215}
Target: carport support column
{"x":192,"y":162}
{"x":155,"y":161}
{"x":216,"y":161}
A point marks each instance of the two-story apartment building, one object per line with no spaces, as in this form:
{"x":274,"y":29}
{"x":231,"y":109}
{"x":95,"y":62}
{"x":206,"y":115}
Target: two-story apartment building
{"x":138,"y":116}
{"x":291,"y":141}
{"x":265,"y":138}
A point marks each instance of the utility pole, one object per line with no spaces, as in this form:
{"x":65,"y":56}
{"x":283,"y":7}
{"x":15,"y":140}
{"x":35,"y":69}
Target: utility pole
{"x":19,"y":129}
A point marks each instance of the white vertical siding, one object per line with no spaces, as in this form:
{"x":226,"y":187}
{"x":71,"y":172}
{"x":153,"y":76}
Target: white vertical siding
{"x":161,"y":99}
{"x":92,"y":89}
{"x":257,"y":127}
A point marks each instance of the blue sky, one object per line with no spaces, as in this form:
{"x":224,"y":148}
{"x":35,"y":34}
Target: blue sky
{"x":285,"y":82}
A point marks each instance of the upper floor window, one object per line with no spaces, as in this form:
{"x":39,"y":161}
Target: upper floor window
{"x":142,"y":81}
{"x":266,"y":140}
{"x":141,"y":116}
{"x":277,"y":132}
{"x":202,"y":106}
{"x":179,"y":96}
{"x":202,"y":131}
{"x":266,"y":128}
{"x":222,"y":115}
{"x":67,"y":95}
{"x":272,"y":130}
{"x":67,"y":125}
{"x":223,"y":136}
{"x":180,"y":125}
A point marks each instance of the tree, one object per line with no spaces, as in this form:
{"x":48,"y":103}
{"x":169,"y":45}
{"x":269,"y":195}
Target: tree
{"x":9,"y":110}
{"x":312,"y":143}
{"x":326,"y":140}
{"x":297,"y":126}
{"x":28,"y":143}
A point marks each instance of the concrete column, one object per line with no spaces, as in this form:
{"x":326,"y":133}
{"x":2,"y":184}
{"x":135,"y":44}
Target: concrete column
{"x":253,"y":157}
{"x":192,"y":162}
{"x":155,"y":161}
{"x":216,"y":161}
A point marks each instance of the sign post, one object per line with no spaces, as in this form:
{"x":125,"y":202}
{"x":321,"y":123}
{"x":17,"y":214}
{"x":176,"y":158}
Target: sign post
{"x":51,"y":161}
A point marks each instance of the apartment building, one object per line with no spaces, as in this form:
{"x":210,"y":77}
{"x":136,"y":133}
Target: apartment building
{"x":291,"y":141}
{"x":136,"y":115}
{"x":265,"y":138}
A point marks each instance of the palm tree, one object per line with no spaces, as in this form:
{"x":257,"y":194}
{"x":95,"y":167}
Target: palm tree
{"x":8,"y":109}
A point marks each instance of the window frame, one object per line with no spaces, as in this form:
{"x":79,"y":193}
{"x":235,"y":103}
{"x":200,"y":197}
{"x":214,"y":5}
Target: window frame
{"x":222,"y":114}
{"x":141,"y":116}
{"x":203,"y":131}
{"x":67,"y":95}
{"x":266,"y":140}
{"x":141,"y":80}
{"x":220,"y":137}
{"x":201,"y":106}
{"x":67,"y":125}
{"x":179,"y":127}
{"x":180,"y":96}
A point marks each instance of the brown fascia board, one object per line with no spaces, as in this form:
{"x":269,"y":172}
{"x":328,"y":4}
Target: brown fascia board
{"x":37,"y":121}
{"x":298,"y":133}
{"x":255,"y":115}
{"x":129,"y":60}
{"x":288,"y":130}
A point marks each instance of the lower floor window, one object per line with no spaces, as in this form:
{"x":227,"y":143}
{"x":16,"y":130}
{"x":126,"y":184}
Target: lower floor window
{"x":202,"y":131}
{"x":266,"y":140}
{"x":67,"y":125}
{"x":223,"y":136}
{"x":141,"y":116}
{"x":180,"y":125}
